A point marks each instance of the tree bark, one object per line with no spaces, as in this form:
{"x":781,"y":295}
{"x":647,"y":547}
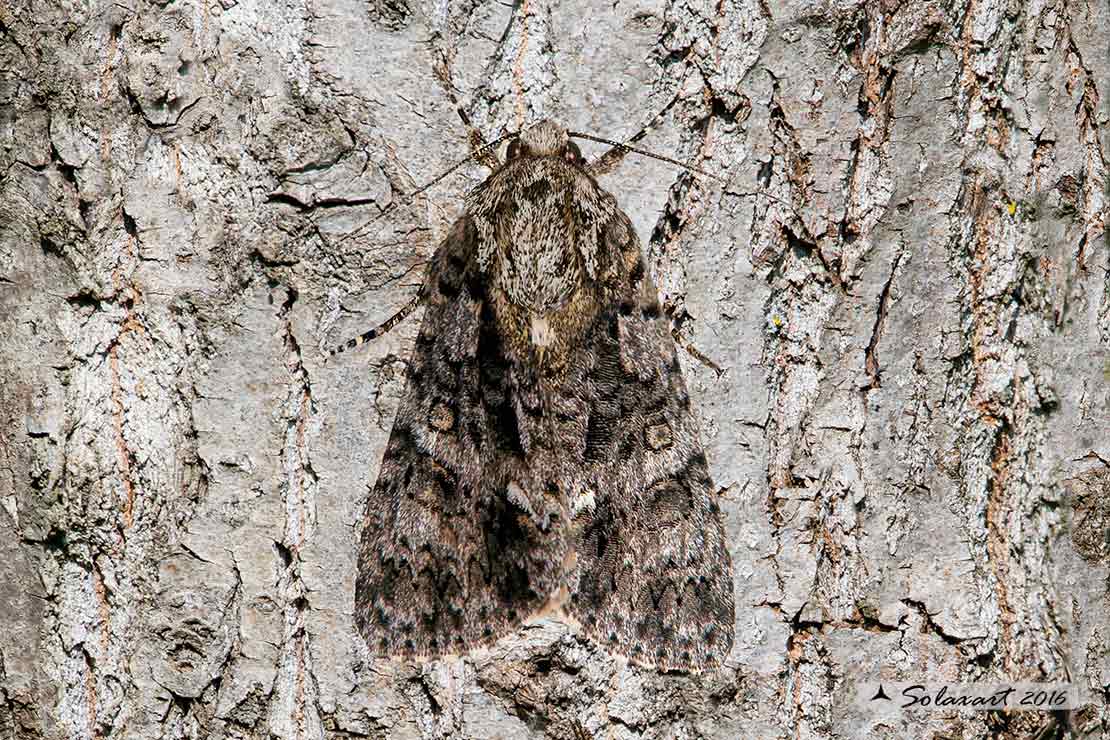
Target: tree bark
{"x":905,"y":281}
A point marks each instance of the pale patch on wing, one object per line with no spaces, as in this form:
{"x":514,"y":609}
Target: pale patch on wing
{"x":542,"y":333}
{"x":585,"y":501}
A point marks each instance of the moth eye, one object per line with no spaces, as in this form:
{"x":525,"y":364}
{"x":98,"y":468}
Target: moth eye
{"x":573,"y":154}
{"x":514,"y":149}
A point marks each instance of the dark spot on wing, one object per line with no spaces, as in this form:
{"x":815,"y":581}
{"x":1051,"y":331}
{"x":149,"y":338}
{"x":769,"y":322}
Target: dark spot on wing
{"x":637,"y":274}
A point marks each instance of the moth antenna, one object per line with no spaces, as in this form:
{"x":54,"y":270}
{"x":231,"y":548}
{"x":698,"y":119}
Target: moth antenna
{"x":405,"y":197}
{"x":645,"y":153}
{"x":683,"y":165}
{"x":612,"y":158}
{"x":476,"y":154}
{"x":382,"y":328}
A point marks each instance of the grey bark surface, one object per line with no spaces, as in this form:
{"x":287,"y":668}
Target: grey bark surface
{"x":906,"y":283}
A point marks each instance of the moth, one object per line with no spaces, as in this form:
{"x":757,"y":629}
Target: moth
{"x":545,"y":457}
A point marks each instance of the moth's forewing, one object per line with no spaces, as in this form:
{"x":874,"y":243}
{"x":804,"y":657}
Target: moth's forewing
{"x":446,"y":560}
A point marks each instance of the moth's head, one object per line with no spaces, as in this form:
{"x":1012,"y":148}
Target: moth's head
{"x":545,"y":139}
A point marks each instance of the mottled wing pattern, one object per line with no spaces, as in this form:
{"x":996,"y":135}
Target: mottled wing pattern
{"x":447,"y":559}
{"x":654,"y":580}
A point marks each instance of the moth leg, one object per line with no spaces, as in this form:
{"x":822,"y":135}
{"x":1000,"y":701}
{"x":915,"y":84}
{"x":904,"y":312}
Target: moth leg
{"x":615,"y":155}
{"x":382,"y":328}
{"x":609,"y":161}
{"x":678,"y":319}
{"x":681,"y":341}
{"x":479,"y":147}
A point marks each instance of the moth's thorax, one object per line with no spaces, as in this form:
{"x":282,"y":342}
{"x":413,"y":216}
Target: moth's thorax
{"x":538,"y":256}
{"x":539,"y":222}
